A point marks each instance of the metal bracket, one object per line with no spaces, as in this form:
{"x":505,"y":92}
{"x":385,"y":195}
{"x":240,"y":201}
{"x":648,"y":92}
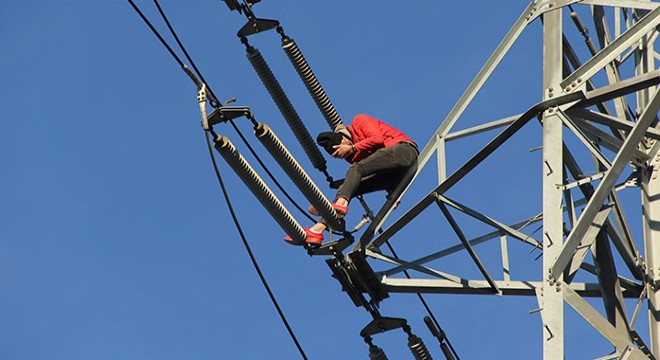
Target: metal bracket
{"x":227,"y":113}
{"x":356,"y":278}
{"x":331,"y":248}
{"x":381,"y":325}
{"x":343,"y":275}
{"x":255,"y":25}
{"x":544,"y":6}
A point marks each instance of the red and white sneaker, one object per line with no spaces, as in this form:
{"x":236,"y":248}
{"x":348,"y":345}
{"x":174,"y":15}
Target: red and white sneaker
{"x":340,"y":209}
{"x":311,"y":237}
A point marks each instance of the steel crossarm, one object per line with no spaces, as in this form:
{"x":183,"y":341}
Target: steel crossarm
{"x":480,"y":156}
{"x":456,"y":248}
{"x":543,"y":6}
{"x":595,"y":151}
{"x":627,"y":284}
{"x":524,"y":288}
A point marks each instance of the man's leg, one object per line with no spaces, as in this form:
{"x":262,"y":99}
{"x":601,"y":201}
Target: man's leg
{"x":384,"y":161}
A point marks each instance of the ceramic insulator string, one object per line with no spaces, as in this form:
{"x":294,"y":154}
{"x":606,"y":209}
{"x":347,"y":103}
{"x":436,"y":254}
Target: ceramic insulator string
{"x":298,"y":175}
{"x":286,"y":109}
{"x":259,"y":189}
{"x":313,"y":86}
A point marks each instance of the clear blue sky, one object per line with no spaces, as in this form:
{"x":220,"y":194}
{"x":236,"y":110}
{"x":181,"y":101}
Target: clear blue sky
{"x":116,"y":242}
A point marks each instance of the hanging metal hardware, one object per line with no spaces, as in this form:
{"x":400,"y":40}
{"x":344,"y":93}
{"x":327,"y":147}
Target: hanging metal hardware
{"x":254,"y":25}
{"x":442,"y":338}
{"x":357,"y":278}
{"x":227,"y":113}
{"x":375,"y":353}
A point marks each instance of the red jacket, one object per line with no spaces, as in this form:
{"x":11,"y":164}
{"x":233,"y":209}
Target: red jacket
{"x":370,"y":134}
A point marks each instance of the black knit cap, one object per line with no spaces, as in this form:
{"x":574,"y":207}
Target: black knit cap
{"x":329,"y":139}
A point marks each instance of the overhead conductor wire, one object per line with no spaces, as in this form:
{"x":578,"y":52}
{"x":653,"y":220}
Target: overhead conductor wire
{"x":426,"y":306}
{"x":220,"y":180}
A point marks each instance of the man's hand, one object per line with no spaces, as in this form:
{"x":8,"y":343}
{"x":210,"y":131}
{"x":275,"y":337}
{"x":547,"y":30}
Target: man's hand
{"x":343,"y":151}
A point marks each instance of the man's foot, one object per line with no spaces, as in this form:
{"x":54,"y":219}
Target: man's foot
{"x":311,"y":238}
{"x":340,"y":209}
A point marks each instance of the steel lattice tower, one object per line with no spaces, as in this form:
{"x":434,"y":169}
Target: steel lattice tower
{"x":604,"y":105}
{"x":596,"y":120}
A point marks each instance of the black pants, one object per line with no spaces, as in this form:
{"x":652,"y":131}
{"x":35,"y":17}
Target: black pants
{"x":382,"y":170}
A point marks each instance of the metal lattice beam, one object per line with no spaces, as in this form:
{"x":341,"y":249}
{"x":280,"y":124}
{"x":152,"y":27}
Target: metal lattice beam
{"x":579,"y":132}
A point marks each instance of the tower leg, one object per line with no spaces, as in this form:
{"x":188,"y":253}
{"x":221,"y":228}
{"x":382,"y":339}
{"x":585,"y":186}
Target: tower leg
{"x":552,"y":296}
{"x":651,"y":206}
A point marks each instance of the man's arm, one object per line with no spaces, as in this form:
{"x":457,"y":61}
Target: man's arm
{"x":369,"y":127}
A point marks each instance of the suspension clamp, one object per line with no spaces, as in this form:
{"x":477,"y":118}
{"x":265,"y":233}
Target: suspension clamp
{"x":201,"y":100}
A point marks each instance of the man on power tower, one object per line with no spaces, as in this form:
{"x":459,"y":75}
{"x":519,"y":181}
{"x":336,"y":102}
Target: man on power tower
{"x":380,"y":156}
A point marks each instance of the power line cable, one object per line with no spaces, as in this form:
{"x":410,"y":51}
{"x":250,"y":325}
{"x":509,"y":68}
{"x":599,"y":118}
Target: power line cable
{"x":146,"y":21}
{"x":249,"y":249}
{"x":425,"y":304}
{"x":221,"y":182}
{"x":183,"y":49}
